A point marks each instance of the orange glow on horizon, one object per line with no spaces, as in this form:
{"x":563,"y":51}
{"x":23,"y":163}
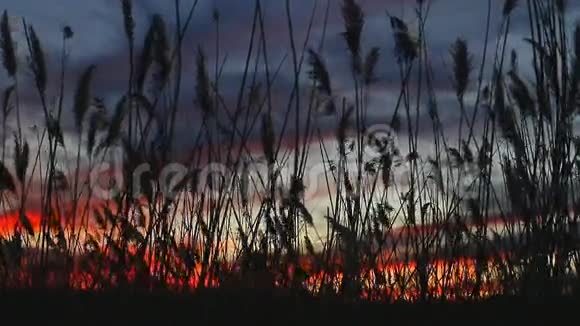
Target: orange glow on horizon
{"x":386,"y":278}
{"x":9,"y":222}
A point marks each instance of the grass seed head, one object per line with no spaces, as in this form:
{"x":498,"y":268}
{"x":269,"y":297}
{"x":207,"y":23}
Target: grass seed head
{"x":82,"y":99}
{"x":462,"y":66}
{"x":7,"y":46}
{"x":37,"y":60}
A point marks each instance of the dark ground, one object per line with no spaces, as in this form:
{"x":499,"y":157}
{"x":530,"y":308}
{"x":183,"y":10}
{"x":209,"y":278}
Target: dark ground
{"x":252,"y":307}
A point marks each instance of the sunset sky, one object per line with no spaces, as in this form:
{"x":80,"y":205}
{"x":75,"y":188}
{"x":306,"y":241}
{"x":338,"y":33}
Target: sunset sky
{"x":99,"y":39}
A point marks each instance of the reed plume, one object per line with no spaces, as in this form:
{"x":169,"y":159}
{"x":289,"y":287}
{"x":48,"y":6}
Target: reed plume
{"x":405,"y":47}
{"x":561,"y":5}
{"x":462,"y":66}
{"x":268,"y":139}
{"x":162,"y":50}
{"x":521,"y":95}
{"x":115,"y":124}
{"x":37,"y":60}
{"x":91,"y":134}
{"x":82,"y":99}
{"x":6,"y":180}
{"x":370,"y":64}
{"x":577,"y":41}
{"x":128,"y":21}
{"x":509,"y":6}
{"x":203,"y":87}
{"x":6,"y":108}
{"x":319,"y":74}
{"x":504,"y":114}
{"x":573,"y":96}
{"x":354,"y":22}
{"x":67,"y":32}
{"x":146,"y":57}
{"x":54,"y":129}
{"x":21,"y":159}
{"x":386,"y":169}
{"x":7,"y":46}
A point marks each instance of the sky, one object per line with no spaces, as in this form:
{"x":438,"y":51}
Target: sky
{"x":99,"y":39}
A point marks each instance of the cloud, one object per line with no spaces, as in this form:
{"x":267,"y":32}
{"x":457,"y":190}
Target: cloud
{"x":99,"y":39}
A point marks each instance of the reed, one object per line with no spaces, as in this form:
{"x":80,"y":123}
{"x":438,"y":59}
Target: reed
{"x":424,"y":212}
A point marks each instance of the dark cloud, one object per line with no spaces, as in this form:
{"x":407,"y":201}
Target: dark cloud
{"x":99,"y":39}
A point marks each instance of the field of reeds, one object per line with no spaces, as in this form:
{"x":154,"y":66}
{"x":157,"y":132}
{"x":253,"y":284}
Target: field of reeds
{"x":487,"y":208}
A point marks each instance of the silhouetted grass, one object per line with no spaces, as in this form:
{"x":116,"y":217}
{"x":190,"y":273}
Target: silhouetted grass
{"x":410,"y":224}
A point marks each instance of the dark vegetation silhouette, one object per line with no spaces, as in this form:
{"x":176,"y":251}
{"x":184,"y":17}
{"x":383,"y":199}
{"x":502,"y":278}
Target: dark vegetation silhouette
{"x":491,"y":211}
